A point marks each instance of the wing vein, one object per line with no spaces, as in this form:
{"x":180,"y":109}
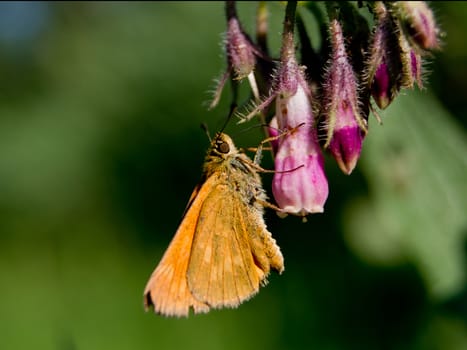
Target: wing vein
{"x":245,"y":251}
{"x":232,"y":263}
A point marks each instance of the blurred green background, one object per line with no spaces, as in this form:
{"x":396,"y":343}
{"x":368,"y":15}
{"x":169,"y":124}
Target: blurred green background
{"x":100,"y":148}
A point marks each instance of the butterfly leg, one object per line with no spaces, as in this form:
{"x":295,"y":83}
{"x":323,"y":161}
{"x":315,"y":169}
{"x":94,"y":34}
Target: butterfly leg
{"x":259,"y":150}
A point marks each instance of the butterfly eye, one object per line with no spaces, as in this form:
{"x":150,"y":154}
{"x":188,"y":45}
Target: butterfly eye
{"x":224,"y":147}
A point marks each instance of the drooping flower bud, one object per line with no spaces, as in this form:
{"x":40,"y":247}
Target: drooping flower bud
{"x":392,"y":63}
{"x":241,"y":54}
{"x":418,"y":24}
{"x":384,"y":65}
{"x":411,"y":65}
{"x":346,"y":143}
{"x":345,"y":127}
{"x":240,"y":50}
{"x":416,"y":68}
{"x":381,"y":87}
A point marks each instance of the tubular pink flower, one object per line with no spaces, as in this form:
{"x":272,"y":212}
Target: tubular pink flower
{"x":299,"y":185}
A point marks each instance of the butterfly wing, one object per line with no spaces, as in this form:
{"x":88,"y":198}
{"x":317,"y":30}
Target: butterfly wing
{"x":232,"y":251}
{"x":167,"y":288}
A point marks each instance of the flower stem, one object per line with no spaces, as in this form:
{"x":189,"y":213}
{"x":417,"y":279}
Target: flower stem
{"x":230,"y":9}
{"x":262,"y":26}
{"x":332,"y":10}
{"x":288,"y":49}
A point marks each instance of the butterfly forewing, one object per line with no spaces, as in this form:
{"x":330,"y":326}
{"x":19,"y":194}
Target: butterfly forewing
{"x":167,"y":289}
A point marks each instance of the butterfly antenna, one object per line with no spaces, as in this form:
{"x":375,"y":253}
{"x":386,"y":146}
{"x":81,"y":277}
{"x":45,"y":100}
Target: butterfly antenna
{"x":204,"y":126}
{"x":244,"y":130}
{"x":233,"y":108}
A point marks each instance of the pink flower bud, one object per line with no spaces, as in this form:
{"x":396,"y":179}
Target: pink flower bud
{"x":381,"y":86}
{"x":418,"y":23}
{"x":240,"y":50}
{"x":241,"y":55}
{"x":393,"y":63}
{"x":416,"y":68}
{"x":346,"y":143}
{"x":384,"y":66}
{"x":343,"y":122}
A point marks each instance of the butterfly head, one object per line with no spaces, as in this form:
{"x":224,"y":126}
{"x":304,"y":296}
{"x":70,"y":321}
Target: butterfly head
{"x":222,"y":146}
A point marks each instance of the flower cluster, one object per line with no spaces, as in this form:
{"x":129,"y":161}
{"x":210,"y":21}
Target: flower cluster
{"x":323,"y":102}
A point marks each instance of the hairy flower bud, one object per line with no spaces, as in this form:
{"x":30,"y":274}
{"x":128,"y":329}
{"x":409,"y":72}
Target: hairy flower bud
{"x":392,"y":63}
{"x":416,"y":68}
{"x":344,"y":125}
{"x":240,"y":50}
{"x":411,"y":65}
{"x":384,"y":65}
{"x":346,"y":143}
{"x":418,"y":23}
{"x":381,"y":87}
{"x":241,"y":54}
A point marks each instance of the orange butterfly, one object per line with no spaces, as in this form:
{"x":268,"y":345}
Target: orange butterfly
{"x":222,"y":251}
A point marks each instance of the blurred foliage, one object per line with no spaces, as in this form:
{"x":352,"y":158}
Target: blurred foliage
{"x":411,"y":179}
{"x":100,"y":148}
